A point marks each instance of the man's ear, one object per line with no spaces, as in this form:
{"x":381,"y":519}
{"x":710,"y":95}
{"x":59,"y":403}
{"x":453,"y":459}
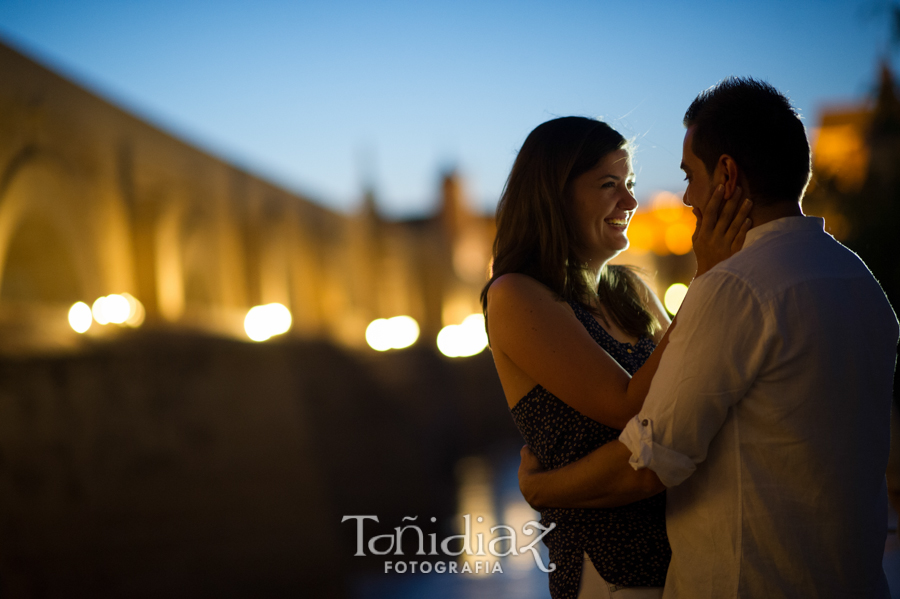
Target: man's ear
{"x":729,"y":173}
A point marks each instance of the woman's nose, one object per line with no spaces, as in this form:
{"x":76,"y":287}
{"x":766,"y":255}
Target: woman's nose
{"x":627,"y":201}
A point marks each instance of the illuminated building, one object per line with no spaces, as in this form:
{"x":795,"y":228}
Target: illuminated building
{"x":94,"y":202}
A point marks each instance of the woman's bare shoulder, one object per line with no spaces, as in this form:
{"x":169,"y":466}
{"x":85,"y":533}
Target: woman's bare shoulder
{"x":514,"y":286}
{"x":537,"y":339}
{"x":515,"y":299}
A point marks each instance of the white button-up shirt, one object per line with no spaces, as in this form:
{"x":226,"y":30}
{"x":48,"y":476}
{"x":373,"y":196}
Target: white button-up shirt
{"x":768,"y":420}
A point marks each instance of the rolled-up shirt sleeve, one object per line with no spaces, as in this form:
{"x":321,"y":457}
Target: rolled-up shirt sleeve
{"x":715,"y":353}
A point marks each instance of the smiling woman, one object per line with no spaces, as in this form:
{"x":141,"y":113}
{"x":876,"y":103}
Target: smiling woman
{"x":603,"y":203}
{"x":564,"y":215}
{"x":568,"y":331}
{"x":576,"y":342}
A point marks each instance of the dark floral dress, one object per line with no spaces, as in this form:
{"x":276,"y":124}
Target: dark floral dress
{"x":628,"y":544}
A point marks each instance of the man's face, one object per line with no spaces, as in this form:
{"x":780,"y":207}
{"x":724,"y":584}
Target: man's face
{"x":700,"y":183}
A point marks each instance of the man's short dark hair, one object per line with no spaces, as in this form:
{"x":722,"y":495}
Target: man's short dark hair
{"x":755,"y":124}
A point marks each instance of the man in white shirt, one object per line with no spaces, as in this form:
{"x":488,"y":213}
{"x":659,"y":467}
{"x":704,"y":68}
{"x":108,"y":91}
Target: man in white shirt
{"x":768,"y":418}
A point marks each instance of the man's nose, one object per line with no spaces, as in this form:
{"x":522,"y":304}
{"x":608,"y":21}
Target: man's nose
{"x":684,"y":199}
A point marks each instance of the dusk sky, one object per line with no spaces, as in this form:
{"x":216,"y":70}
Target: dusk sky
{"x":324,"y":97}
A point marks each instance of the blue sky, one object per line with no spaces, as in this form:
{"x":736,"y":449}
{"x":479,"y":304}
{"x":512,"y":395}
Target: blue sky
{"x":321,"y":97}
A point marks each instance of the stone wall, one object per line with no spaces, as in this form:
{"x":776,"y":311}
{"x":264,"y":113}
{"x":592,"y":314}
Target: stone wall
{"x":182,"y":466}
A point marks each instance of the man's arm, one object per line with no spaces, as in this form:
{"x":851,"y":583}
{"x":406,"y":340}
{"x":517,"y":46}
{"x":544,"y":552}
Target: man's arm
{"x":713,"y":357}
{"x":601,"y":479}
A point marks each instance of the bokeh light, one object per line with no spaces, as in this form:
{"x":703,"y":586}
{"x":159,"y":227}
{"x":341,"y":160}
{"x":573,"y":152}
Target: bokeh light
{"x":398,"y":332}
{"x":517,"y":514}
{"x":674,"y":296}
{"x":667,"y":207}
{"x":475,"y":501}
{"x":404,"y":331}
{"x":678,"y":238}
{"x":98,"y":311}
{"x":264,"y":322}
{"x":136,"y":312}
{"x":378,"y":334}
{"x":665,"y":227}
{"x":116,"y":308}
{"x":640,"y":235}
{"x":120,"y":309}
{"x":80,"y":317}
{"x":463,"y":340}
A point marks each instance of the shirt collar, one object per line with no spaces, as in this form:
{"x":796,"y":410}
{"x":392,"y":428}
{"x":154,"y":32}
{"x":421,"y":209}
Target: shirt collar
{"x":783,"y":225}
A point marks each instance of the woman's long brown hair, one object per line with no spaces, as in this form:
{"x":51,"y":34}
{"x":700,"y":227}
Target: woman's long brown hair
{"x":535,"y":232}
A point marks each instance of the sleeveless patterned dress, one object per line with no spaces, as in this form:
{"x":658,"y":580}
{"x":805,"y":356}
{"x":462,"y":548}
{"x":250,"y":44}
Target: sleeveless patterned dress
{"x":628,"y":544}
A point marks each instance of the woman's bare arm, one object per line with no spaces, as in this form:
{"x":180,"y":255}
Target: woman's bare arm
{"x":543,"y":338}
{"x":537,"y":333}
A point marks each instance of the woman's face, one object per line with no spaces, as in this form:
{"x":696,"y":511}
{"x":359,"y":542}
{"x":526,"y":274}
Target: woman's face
{"x":603,"y":203}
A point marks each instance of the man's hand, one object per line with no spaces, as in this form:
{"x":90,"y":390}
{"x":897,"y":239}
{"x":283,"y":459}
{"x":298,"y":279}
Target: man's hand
{"x":720,"y":234}
{"x":601,"y":479}
{"x":529,"y":471}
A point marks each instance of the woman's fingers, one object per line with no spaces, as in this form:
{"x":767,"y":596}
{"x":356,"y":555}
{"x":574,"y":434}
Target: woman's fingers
{"x":712,"y":209}
{"x":731,"y":222}
{"x":738,"y":242}
{"x":722,"y":228}
{"x":705,"y":226}
{"x":739,"y":219}
{"x":726,"y":217}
